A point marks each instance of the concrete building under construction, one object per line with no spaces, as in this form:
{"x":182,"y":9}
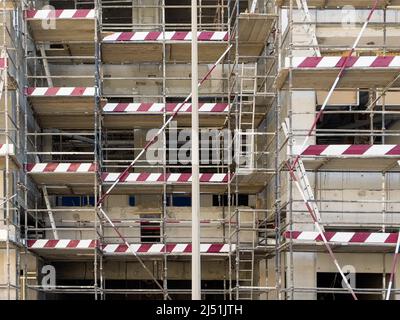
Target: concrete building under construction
{"x":299,"y":149}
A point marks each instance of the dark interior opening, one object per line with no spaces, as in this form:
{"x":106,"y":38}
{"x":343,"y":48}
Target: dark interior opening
{"x":362,"y":281}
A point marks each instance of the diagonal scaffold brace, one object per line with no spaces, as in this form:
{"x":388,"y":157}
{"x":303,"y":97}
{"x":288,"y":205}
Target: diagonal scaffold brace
{"x":126,"y":171}
{"x":291,"y":167}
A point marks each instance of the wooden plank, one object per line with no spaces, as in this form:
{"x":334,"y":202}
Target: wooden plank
{"x":131,"y":52}
{"x":63,"y":179}
{"x":66,"y":30}
{"x":66,"y":121}
{"x":62,"y":105}
{"x":152,"y":52}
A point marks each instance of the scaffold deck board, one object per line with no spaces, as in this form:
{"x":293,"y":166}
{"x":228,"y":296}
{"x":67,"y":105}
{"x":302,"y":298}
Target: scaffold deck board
{"x":343,"y":241}
{"x":136,"y":52}
{"x":62,"y":174}
{"x":62,"y":100}
{"x":254,"y":29}
{"x":77,"y":248}
{"x":321,"y":72}
{"x":135,"y":47}
{"x":70,"y":49}
{"x":153,"y":182}
{"x":359,"y":4}
{"x":62,"y":25}
{"x":251,"y":181}
{"x":150,"y":115}
{"x":349,"y":157}
{"x":65,"y":122}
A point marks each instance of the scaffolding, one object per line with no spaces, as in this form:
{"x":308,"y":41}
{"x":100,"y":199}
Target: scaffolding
{"x":346,"y":133}
{"x":92,"y":184}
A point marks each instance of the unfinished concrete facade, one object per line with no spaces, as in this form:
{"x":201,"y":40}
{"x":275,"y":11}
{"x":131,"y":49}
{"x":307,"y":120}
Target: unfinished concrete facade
{"x":87,"y":84}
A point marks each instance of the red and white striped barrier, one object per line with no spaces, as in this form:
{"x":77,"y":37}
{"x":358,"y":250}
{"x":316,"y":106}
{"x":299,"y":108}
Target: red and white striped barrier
{"x":61,"y":244}
{"x":159,"y":107}
{"x":60,"y":14}
{"x":168,"y":36}
{"x":147,"y":248}
{"x":152,"y":178}
{"x":4,"y":149}
{"x":344,"y":237}
{"x":159,"y":248}
{"x":56,"y":167}
{"x":60,"y":91}
{"x":337,"y":62}
{"x":334,"y":150}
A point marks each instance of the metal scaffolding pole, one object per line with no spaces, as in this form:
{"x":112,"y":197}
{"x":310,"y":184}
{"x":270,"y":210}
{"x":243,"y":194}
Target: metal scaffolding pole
{"x":196,"y":262}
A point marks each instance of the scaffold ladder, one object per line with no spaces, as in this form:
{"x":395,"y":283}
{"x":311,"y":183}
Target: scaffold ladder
{"x":302,"y":183}
{"x":50,"y":212}
{"x":245,"y":256}
{"x":309,"y":28}
{"x":245,"y":138}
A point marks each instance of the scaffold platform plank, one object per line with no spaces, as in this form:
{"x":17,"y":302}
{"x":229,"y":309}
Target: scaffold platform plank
{"x":62,"y":174}
{"x":253,"y":31}
{"x":251,"y":181}
{"x":343,"y":157}
{"x":62,"y":100}
{"x":67,"y":122}
{"x":338,"y":4}
{"x":62,"y":25}
{"x":150,"y":115}
{"x":343,"y":241}
{"x":170,"y":249}
{"x":68,"y":247}
{"x":153,"y":182}
{"x":135,"y":47}
{"x":321,"y":72}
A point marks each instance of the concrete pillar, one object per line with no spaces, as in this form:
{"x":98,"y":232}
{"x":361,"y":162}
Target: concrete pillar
{"x":305,"y":276}
{"x":4,"y":272}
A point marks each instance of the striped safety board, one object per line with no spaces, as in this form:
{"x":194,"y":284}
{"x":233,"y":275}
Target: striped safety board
{"x":60,"y":91}
{"x":57,"y":167}
{"x":61,"y":244}
{"x":168,"y":36}
{"x":147,"y":248}
{"x":169,"y":177}
{"x":61,"y":14}
{"x":169,"y":248}
{"x":332,"y":150}
{"x":159,"y":107}
{"x":344,"y":237}
{"x":337,"y":62}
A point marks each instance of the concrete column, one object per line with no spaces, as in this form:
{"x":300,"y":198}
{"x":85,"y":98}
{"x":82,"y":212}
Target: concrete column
{"x":305,"y":276}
